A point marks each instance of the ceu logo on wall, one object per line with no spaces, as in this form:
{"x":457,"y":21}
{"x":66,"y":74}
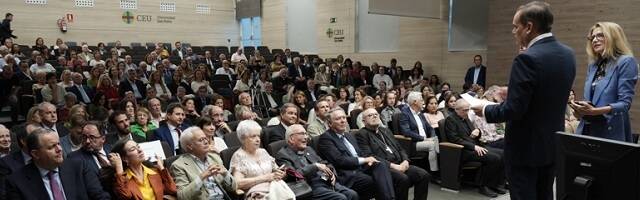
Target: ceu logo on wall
{"x":127,"y":17}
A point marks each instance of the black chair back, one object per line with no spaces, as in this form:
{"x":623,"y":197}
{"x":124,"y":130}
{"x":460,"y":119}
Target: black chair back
{"x":231,"y":139}
{"x":274,"y":147}
{"x":354,"y":118}
{"x":442,"y":136}
{"x":227,"y":154}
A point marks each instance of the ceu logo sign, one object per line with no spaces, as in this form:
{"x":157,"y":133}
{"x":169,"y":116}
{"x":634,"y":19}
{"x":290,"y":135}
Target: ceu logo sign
{"x":127,"y":17}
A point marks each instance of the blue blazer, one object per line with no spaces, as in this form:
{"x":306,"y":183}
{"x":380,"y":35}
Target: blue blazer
{"x":163,"y":134}
{"x":616,"y":89}
{"x":87,"y":158}
{"x":332,"y":149}
{"x":409,"y":127}
{"x":539,"y":85}
{"x":482,"y":76}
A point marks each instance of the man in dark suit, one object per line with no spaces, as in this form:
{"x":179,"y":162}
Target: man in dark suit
{"x":312,"y":93}
{"x":476,"y":74}
{"x":267,"y":101}
{"x":460,"y":130}
{"x":413,"y":124}
{"x":49,"y":176}
{"x":202,"y":98}
{"x":5,"y":28}
{"x":288,"y":116}
{"x":134,"y":85}
{"x":94,"y":149}
{"x":208,"y":60}
{"x":541,"y":77}
{"x":171,"y":129}
{"x":16,"y":159}
{"x":82,"y":91}
{"x":317,"y":172}
{"x":281,"y":83}
{"x":49,"y":118}
{"x":299,"y":74}
{"x":121,"y":123}
{"x":179,"y":51}
{"x":378,"y":141}
{"x":365,"y":175}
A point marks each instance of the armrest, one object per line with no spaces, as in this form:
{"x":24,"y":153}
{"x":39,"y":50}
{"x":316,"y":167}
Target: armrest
{"x":402,"y":137}
{"x":450,"y":145}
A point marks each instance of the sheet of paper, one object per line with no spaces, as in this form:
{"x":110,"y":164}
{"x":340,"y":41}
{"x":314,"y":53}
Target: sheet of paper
{"x":151,"y":149}
{"x":475,"y":101}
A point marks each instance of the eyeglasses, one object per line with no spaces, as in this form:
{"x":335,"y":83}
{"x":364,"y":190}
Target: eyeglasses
{"x":372,"y":115}
{"x":90,"y":137}
{"x":599,"y":36}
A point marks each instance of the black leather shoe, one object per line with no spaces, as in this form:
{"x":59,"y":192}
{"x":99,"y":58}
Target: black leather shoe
{"x":499,"y":190}
{"x":487,"y":192}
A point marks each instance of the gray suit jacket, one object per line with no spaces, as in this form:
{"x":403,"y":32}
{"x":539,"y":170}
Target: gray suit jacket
{"x":185,"y":173}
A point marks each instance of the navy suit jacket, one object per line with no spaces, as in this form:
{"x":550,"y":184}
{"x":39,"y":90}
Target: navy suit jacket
{"x":163,"y":134}
{"x":76,"y":91}
{"x":126,"y":86}
{"x":534,"y":110}
{"x":76,"y":179}
{"x":482,"y":76}
{"x":332,"y":149}
{"x":616,"y":89}
{"x":409,"y":127}
{"x":86,"y":158}
{"x":9,"y":164}
{"x":273,"y":133}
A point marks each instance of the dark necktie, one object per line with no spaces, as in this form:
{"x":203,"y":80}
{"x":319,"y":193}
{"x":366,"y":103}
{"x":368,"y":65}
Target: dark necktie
{"x":56,"y":190}
{"x":101,"y":161}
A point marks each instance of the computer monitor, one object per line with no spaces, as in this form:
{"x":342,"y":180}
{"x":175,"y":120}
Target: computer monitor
{"x":596,"y":168}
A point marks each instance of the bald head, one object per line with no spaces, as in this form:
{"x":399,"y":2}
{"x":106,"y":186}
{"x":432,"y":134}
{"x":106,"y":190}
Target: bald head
{"x":462,"y":108}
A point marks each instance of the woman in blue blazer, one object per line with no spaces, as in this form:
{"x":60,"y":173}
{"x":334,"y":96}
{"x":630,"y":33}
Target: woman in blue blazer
{"x":609,"y":85}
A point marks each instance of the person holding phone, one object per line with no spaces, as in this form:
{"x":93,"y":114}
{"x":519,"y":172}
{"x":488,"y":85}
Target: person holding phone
{"x":609,"y":85}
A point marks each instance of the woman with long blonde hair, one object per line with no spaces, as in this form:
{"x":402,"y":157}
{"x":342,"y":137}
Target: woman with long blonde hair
{"x":609,"y":85}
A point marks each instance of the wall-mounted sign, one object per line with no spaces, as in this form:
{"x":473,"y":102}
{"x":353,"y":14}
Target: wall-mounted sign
{"x":336,"y":34}
{"x":166,"y":19}
{"x":127,"y":17}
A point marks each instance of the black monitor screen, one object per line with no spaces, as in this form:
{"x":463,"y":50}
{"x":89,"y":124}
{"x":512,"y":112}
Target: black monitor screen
{"x":596,"y":168}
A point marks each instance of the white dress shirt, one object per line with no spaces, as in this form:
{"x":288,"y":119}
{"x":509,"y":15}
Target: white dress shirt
{"x":416,"y":115}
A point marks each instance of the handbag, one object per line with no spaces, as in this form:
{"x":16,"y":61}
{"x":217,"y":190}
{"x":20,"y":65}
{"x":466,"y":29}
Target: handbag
{"x":298,"y":185}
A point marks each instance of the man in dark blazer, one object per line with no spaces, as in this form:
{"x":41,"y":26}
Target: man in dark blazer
{"x":299,"y":74}
{"x":476,"y":74}
{"x":288,"y":116}
{"x":365,"y":175}
{"x":15,"y":160}
{"x":312,"y":92}
{"x":81,"y":90}
{"x":134,"y":85}
{"x":179,"y":51}
{"x":318,"y":173}
{"x":171,"y":129}
{"x":49,"y":176}
{"x":94,"y":150}
{"x":201,"y":98}
{"x":5,"y":28}
{"x":378,"y":141}
{"x":536,"y":100}
{"x":460,"y":130}
{"x":414,"y":124}
{"x":281,"y":83}
{"x":267,"y":101}
{"x":49,"y":116}
{"x":120,"y":122}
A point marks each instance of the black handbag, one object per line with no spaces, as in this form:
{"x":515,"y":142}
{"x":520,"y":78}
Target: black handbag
{"x":298,"y":185}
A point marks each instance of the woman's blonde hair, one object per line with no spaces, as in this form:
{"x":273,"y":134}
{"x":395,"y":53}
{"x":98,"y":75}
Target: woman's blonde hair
{"x":102,"y":78}
{"x":615,"y":45}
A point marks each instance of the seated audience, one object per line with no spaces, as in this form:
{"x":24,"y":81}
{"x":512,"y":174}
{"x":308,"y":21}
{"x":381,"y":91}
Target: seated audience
{"x":317,"y":172}
{"x":120,"y":122}
{"x":142,"y":126}
{"x":169,"y":131}
{"x":300,"y":100}
{"x":343,"y":96}
{"x":41,"y":66}
{"x":252,"y":167}
{"x":378,"y":141}
{"x":388,"y":109}
{"x":492,"y":133}
{"x":134,"y":180}
{"x":155,"y":108}
{"x":413,"y":124}
{"x":49,"y":119}
{"x":318,"y":125}
{"x":52,"y":177}
{"x":288,"y":117}
{"x":432,"y":114}
{"x":367,"y":103}
{"x":81,"y":90}
{"x":460,"y":130}
{"x":74,"y":140}
{"x":132,"y":83}
{"x":268,"y":101}
{"x":216,"y":143}
{"x":52,"y":92}
{"x":365,"y":175}
{"x":199,"y":173}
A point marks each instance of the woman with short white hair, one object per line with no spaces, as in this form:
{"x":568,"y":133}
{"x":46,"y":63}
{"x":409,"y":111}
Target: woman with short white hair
{"x":254,"y":169}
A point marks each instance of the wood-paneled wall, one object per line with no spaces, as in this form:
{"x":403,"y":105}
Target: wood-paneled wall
{"x":572,"y":20}
{"x":104,"y":23}
{"x":420,"y":39}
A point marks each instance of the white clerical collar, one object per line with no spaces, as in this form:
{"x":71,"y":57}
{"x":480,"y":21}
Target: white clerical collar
{"x":539,"y":37}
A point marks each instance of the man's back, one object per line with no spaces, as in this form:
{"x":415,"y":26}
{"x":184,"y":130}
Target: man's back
{"x":541,"y":78}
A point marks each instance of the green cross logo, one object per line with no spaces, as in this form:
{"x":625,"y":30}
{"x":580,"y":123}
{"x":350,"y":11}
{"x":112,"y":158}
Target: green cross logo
{"x":127,"y":17}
